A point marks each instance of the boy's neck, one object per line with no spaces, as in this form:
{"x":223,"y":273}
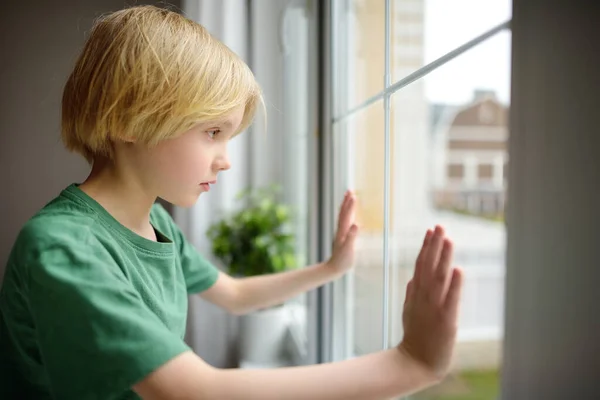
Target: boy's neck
{"x":122,"y":194}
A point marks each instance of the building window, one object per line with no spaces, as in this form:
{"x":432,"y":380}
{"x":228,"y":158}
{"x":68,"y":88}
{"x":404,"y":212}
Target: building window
{"x":456,"y":171}
{"x":485,"y":171}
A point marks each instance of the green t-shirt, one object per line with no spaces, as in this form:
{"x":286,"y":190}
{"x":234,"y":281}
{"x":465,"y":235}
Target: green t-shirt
{"x":87,"y":307}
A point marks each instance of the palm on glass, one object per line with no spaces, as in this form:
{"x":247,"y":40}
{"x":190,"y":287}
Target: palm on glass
{"x":430,"y":316}
{"x":342,"y":257}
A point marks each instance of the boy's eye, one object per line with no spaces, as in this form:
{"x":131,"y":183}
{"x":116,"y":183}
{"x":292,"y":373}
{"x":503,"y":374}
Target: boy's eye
{"x":213,"y":134}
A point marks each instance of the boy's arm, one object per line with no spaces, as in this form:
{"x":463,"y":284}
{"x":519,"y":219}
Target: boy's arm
{"x":381,"y":375}
{"x":240,"y":296}
{"x":422,"y":358}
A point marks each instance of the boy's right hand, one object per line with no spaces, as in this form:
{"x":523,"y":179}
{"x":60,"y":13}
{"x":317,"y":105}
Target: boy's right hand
{"x":430,"y":315}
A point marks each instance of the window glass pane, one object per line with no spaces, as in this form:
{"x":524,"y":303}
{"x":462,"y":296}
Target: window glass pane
{"x":359,"y":29}
{"x":448,"y":160}
{"x":424,"y":30}
{"x":358,"y":159}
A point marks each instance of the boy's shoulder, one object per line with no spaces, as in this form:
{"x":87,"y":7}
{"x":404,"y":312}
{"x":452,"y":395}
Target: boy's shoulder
{"x":59,"y":222}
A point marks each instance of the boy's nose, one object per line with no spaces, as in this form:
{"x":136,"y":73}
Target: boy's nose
{"x":223,"y":163}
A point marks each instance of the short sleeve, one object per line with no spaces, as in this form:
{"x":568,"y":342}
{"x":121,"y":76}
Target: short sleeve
{"x":200,"y":274}
{"x":97,"y":337}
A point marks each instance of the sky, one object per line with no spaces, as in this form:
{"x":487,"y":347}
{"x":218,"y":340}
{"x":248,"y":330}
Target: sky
{"x":451,"y":23}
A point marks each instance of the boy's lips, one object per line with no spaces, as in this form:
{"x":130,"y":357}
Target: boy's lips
{"x":206,"y":185}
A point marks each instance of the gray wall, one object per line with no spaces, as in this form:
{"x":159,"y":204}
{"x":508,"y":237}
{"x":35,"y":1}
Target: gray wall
{"x":39,"y":42}
{"x":552,"y":349}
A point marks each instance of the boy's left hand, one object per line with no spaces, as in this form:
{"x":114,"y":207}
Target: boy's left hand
{"x":342,"y":258}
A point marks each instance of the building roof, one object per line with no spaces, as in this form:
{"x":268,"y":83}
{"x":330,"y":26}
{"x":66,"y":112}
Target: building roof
{"x":484,"y":112}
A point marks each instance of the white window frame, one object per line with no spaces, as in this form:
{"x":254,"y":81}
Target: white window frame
{"x":337,"y":322}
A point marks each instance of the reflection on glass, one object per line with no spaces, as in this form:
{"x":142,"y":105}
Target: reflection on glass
{"x":448,"y":167}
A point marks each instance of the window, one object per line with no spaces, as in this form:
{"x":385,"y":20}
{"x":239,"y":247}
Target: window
{"x":486,"y":171}
{"x":418,"y":129}
{"x":456,"y":171}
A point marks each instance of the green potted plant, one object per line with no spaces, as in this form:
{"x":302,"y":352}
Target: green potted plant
{"x":257,"y":239}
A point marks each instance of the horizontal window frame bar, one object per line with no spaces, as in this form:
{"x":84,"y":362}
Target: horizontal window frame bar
{"x":423,"y":71}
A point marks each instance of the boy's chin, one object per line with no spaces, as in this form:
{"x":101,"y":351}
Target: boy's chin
{"x":183,"y":201}
{"x":187,"y":203}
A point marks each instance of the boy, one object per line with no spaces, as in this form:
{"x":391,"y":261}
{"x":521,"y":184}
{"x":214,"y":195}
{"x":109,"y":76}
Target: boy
{"x":94,"y":299}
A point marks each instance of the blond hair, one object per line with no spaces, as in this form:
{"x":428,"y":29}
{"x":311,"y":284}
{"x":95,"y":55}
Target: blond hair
{"x":147,"y":74}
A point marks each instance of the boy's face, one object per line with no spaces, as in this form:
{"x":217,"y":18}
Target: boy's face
{"x":178,"y":170}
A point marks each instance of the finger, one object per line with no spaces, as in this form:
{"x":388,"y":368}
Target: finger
{"x":442,"y":271}
{"x":452,"y":301}
{"x":341,"y":232}
{"x":351,"y":236}
{"x":346,"y":217}
{"x":420,"y":258}
{"x":431,"y":257}
{"x":350,"y":239}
